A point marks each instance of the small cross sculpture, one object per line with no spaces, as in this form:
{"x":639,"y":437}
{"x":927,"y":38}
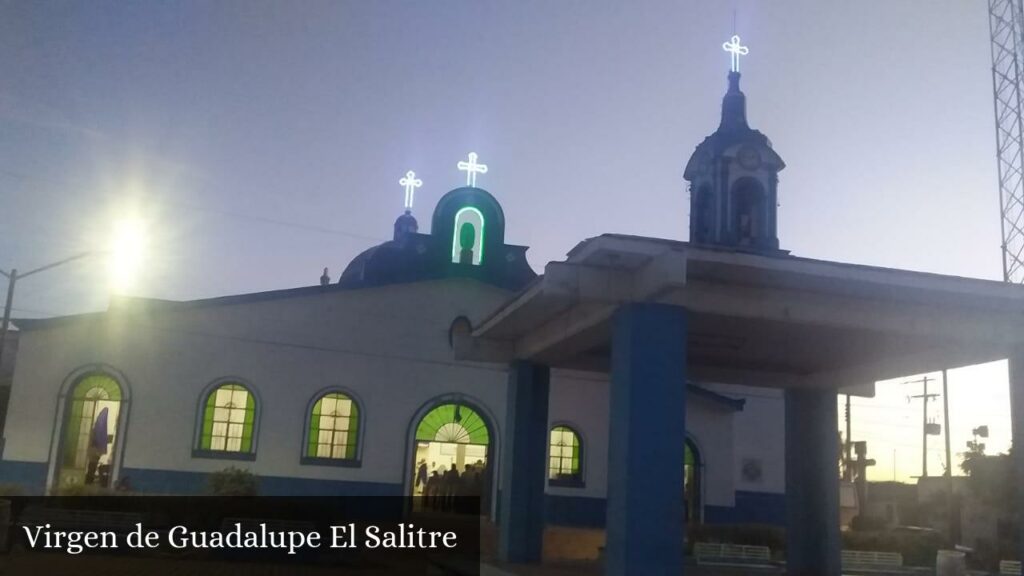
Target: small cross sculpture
{"x":411,"y":183}
{"x":471,"y":169}
{"x":734,"y":48}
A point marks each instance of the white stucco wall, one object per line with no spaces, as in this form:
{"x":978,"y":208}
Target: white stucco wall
{"x":581,"y":400}
{"x":760,"y":436}
{"x":388,"y":346}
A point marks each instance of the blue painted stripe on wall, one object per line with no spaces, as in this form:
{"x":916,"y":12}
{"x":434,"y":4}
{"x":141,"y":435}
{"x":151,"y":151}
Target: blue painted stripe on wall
{"x":761,"y":507}
{"x":29,"y":476}
{"x":750,"y":508}
{"x":577,"y":511}
{"x":178,"y":482}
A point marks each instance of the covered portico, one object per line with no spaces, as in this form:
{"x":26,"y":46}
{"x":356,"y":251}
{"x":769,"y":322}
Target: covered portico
{"x":654,"y":313}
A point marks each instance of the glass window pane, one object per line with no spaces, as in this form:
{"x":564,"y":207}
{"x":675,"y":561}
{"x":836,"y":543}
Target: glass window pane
{"x":223,"y":396}
{"x":325,"y":437}
{"x":330,"y":405}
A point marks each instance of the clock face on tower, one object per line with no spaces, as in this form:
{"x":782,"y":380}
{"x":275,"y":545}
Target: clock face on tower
{"x":749,"y":158}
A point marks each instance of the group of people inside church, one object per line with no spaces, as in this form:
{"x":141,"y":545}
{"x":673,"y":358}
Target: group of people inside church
{"x":448,"y":490}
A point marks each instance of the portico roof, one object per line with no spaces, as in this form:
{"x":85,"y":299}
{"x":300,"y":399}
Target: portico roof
{"x":755,"y":319}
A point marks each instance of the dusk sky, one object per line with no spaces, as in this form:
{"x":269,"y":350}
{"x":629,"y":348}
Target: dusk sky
{"x":260,"y":142}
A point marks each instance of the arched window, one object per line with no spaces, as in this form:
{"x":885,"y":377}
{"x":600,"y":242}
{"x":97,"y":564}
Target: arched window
{"x":748,"y":212}
{"x":333,"y":428}
{"x":703,"y":215}
{"x":229,"y":416}
{"x":691,"y":482}
{"x":90,"y":431}
{"x":468,"y":238}
{"x":565,"y":460}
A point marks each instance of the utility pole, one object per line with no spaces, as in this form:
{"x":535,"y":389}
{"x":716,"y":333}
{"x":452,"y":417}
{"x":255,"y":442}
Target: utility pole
{"x":945,"y":421}
{"x":12,"y":280}
{"x":847,"y":468}
{"x":925,"y":397}
{"x":951,"y":499}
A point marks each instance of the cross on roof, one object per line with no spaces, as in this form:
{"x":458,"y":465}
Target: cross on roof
{"x":411,"y":183}
{"x":734,"y":48}
{"x":471,"y":169}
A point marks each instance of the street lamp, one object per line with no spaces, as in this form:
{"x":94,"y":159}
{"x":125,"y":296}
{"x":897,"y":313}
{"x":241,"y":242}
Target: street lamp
{"x":12,"y":279}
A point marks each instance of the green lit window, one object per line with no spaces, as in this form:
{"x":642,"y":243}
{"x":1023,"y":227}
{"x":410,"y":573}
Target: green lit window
{"x":564,"y":461}
{"x":333,"y":428}
{"x":468,"y":238}
{"x":228,"y":419}
{"x":453,"y":424}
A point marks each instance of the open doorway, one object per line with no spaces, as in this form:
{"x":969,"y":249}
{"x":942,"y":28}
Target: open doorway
{"x":451,"y":459}
{"x":89,"y":432}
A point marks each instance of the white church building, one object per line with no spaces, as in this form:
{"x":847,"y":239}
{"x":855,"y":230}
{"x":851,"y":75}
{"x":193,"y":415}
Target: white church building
{"x":249,"y":380}
{"x":349,"y":387}
{"x":642,"y":384}
{"x":344,"y":388}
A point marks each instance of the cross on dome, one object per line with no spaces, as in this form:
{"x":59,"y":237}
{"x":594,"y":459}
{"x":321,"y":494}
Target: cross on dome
{"x":411,"y":183}
{"x":734,"y":48}
{"x":471,"y":168}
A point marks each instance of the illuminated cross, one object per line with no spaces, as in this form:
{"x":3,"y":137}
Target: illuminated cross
{"x":471,"y":169}
{"x":411,"y":183}
{"x":733,"y":47}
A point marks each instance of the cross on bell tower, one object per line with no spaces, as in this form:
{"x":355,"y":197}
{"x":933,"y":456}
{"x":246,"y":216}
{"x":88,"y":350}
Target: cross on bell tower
{"x":406,"y":224}
{"x":736,"y":49}
{"x":411,"y":183}
{"x":733,"y":177}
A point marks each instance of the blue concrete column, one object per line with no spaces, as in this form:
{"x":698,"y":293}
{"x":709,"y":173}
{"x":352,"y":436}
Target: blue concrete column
{"x":647,"y":436}
{"x":1017,"y":427}
{"x":523,"y":464}
{"x":812,"y":483}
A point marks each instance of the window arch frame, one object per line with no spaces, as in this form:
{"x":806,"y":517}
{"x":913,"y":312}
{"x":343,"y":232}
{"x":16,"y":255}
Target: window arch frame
{"x":478,"y":255}
{"x":699,"y":469}
{"x":579,"y":481}
{"x":64,"y":400}
{"x":356,"y":461}
{"x":198,"y":450}
{"x":748,"y":190}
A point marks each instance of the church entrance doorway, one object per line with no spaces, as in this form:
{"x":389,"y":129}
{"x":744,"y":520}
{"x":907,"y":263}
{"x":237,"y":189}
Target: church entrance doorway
{"x":89,"y":433}
{"x":451,"y":459}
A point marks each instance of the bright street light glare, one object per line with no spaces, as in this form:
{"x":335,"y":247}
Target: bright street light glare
{"x":125,"y":252}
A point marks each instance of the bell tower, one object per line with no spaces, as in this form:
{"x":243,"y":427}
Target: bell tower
{"x":734,"y":176}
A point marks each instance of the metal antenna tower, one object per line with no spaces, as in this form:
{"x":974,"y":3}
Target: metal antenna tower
{"x":1006,"y":26}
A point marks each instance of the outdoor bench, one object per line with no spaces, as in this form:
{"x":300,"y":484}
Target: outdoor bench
{"x":731,"y":554}
{"x":867,"y":561}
